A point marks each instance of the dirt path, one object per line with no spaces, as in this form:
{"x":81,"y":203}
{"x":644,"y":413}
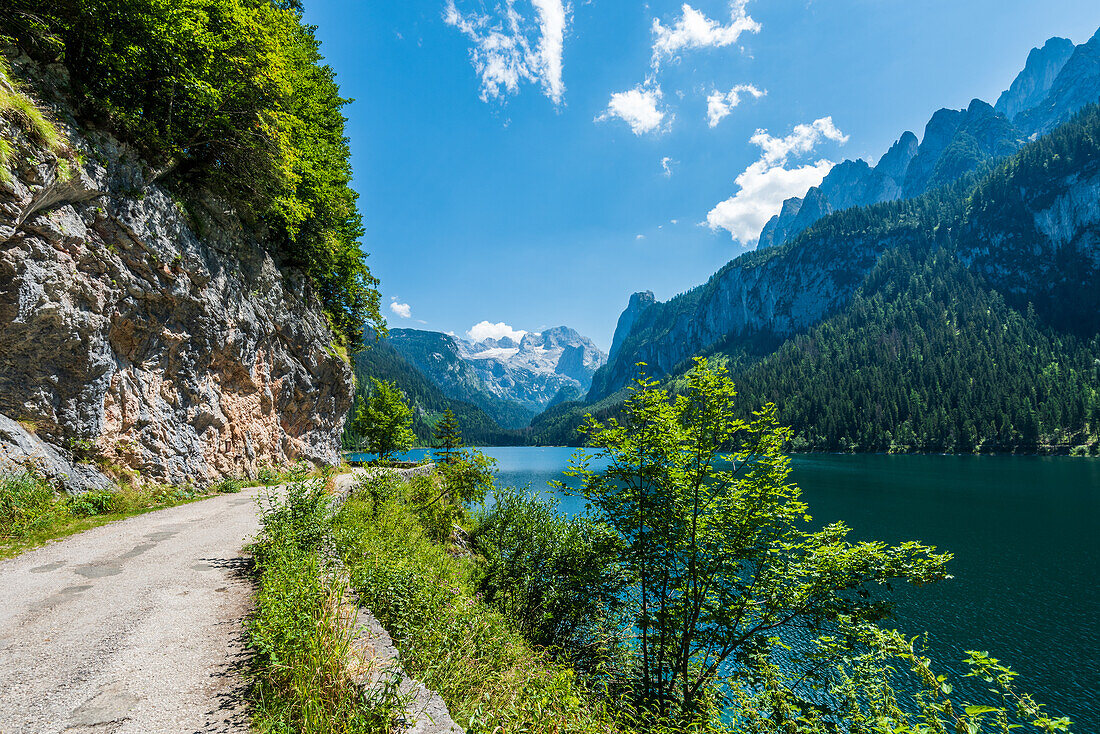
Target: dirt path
{"x":134,"y":626}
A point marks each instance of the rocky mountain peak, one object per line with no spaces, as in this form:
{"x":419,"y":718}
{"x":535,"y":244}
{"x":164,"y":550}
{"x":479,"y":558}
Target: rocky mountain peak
{"x":895,"y":161}
{"x":1076,"y":85}
{"x":1031,"y":86}
{"x":638,"y":303}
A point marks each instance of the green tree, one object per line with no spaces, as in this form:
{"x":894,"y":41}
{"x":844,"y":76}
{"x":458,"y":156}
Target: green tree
{"x":230,"y":96}
{"x":448,"y":438}
{"x":382,"y":420}
{"x":717,"y":540}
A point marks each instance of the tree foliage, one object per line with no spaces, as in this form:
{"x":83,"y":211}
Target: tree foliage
{"x":716,"y":539}
{"x":230,"y":95}
{"x":383,"y":420}
{"x":448,"y":438}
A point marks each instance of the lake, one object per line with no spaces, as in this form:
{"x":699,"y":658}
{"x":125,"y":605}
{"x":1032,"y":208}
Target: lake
{"x":1025,"y":532}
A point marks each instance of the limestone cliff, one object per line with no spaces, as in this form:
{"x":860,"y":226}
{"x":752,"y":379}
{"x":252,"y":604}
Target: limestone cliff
{"x":1029,"y":229}
{"x":144,"y":333}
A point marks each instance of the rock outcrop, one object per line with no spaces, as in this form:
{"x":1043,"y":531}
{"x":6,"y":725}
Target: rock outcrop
{"x":1032,"y":85}
{"x":148,"y":334}
{"x":1056,"y":82}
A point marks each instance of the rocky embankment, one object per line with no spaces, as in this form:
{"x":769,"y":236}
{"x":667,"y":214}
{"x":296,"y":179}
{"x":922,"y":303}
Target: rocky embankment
{"x":142,"y":330}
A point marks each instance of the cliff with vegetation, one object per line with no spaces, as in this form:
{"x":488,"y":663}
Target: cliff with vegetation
{"x":179,"y":260}
{"x":961,"y":320}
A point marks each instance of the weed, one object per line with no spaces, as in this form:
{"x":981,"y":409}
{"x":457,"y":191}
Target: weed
{"x":490,"y":678}
{"x":304,"y":676}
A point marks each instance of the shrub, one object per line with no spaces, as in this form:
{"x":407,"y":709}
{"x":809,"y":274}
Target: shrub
{"x":98,"y":502}
{"x":490,"y":678}
{"x":303,"y":631}
{"x":558,"y":578}
{"x":27,"y":503}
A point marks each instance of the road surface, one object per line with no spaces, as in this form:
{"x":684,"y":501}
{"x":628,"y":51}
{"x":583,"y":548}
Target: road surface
{"x":134,"y":626}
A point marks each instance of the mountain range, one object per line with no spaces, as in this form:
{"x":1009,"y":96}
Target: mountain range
{"x":508,"y":381}
{"x":1056,"y":81}
{"x":981,"y":240}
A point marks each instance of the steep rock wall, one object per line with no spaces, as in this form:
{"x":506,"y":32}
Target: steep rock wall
{"x":150,"y":335}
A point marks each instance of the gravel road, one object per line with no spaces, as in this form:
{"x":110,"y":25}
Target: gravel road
{"x":134,"y":626}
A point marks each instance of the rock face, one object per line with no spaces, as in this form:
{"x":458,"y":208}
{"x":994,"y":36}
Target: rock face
{"x":1057,"y":81}
{"x":1033,"y":84}
{"x":1077,"y":84}
{"x":777,"y":292}
{"x":1030,"y":230}
{"x":161,"y":338}
{"x":638,"y":303}
{"x":511,"y":381}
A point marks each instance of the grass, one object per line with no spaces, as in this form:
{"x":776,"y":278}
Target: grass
{"x":422,"y":593}
{"x":32,"y":513}
{"x":18,"y":107}
{"x":302,"y":632}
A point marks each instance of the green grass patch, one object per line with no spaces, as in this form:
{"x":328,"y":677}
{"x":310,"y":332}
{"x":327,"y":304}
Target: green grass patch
{"x":16,"y":106}
{"x":491,"y":679}
{"x":302,"y":632}
{"x":32,"y":513}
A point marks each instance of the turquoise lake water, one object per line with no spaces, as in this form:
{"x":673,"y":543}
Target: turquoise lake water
{"x":1025,"y":532}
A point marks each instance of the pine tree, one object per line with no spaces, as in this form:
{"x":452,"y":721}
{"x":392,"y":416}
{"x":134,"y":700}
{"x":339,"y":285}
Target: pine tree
{"x":448,"y":437}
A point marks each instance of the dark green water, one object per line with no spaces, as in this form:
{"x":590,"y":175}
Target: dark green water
{"x":1025,"y":532}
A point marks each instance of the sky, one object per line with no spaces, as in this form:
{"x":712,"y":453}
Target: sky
{"x":524,"y":164}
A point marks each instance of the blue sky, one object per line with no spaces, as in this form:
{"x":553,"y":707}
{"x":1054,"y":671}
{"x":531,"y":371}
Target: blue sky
{"x":535,"y":166}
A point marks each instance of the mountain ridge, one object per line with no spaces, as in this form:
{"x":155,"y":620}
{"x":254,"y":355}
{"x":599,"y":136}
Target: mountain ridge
{"x":512,"y":381}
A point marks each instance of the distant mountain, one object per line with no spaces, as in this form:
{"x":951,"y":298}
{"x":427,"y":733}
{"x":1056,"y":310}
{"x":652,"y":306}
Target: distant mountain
{"x":967,"y":318}
{"x":1077,"y":84}
{"x":1057,"y":81}
{"x":380,"y":360}
{"x":511,"y":381}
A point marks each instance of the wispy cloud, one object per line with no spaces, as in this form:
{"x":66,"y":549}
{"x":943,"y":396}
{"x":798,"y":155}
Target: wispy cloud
{"x":640,"y":108}
{"x":720,"y":104}
{"x":766,"y":183}
{"x":486,"y":330}
{"x":693,"y":30}
{"x":510,"y":47}
{"x":666,"y":166}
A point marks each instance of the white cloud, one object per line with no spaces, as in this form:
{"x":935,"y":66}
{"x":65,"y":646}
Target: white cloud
{"x":638,"y":107}
{"x":484,"y":330}
{"x":639,"y":236}
{"x":802,"y":140}
{"x":674,"y":221}
{"x":720,"y":104}
{"x":666,"y":166}
{"x":403,"y":310}
{"x":765,"y":184}
{"x":510,"y":47}
{"x":695,"y":30}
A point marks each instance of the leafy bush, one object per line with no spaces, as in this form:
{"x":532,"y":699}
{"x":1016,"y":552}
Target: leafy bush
{"x":558,"y":578}
{"x":27,"y":503}
{"x":302,"y":631}
{"x":98,"y":502}
{"x":490,"y":678}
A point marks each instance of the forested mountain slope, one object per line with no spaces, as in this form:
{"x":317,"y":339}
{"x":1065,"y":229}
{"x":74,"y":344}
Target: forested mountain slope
{"x":964,"y":319}
{"x":379,"y":359}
